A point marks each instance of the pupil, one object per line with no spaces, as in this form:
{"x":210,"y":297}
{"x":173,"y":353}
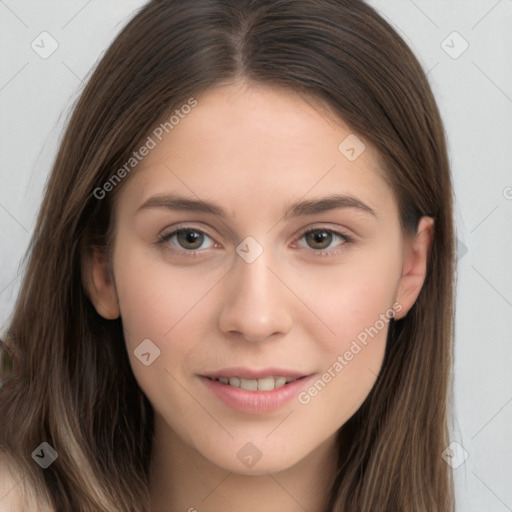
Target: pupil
{"x":320,"y":237}
{"x":188,"y":238}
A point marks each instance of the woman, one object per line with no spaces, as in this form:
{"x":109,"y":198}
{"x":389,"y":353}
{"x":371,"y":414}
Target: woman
{"x":239,"y":294}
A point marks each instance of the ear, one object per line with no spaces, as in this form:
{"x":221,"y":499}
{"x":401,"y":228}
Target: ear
{"x":414,"y":269}
{"x":99,"y":284}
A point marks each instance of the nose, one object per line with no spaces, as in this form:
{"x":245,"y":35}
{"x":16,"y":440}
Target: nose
{"x":256,"y":304}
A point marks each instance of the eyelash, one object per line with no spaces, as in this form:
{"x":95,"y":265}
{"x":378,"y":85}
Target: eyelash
{"x":164,"y":239}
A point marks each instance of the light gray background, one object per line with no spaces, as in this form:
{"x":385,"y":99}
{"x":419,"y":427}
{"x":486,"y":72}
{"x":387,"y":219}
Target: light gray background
{"x":474,"y":92}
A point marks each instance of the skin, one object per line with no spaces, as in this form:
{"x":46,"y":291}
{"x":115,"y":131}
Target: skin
{"x":253,"y":151}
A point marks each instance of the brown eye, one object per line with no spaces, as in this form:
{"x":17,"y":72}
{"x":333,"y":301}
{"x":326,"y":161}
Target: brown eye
{"x":319,"y":238}
{"x":324,"y":241}
{"x":190,"y":239}
{"x":187,"y":240}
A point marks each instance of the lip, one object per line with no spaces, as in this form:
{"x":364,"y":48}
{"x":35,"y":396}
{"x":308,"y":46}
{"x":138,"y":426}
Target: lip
{"x":256,"y":402}
{"x":253,"y":373}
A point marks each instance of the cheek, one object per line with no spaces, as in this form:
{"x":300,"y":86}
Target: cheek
{"x":349,"y":299}
{"x":351,"y":358}
{"x":354,"y":303}
{"x":156,"y":298}
{"x":166,"y":306}
{"x":340,"y":390}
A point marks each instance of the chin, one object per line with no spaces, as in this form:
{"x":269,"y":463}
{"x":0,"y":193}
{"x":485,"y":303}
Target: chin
{"x":247,"y":459}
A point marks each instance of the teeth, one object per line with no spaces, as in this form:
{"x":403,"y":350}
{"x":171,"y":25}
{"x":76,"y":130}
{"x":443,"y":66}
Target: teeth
{"x":280,"y":382}
{"x":263,"y":384}
{"x":249,"y":384}
{"x":266,"y":384}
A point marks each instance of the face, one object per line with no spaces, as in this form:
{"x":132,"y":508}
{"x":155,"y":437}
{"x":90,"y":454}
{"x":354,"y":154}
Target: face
{"x":289,"y":263}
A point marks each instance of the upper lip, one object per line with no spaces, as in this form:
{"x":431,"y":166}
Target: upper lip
{"x":254,"y":373}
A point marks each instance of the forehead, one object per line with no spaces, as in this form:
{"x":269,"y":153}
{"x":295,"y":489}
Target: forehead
{"x":243,"y":141}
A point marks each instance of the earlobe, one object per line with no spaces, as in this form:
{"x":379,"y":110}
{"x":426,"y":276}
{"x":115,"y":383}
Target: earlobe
{"x":414,"y":270}
{"x":99,"y":284}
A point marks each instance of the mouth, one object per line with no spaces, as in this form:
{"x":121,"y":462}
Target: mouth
{"x":254,"y":391}
{"x":268,"y":383}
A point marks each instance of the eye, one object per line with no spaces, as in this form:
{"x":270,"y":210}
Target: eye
{"x":187,"y":239}
{"x":191,"y":241}
{"x":324,"y":240}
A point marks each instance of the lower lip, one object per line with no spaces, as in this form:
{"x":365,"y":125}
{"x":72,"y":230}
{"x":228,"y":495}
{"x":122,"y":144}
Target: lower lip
{"x":256,"y":402}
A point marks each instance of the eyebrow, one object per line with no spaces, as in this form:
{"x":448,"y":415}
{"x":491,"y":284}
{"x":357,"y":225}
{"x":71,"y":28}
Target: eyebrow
{"x":299,"y":208}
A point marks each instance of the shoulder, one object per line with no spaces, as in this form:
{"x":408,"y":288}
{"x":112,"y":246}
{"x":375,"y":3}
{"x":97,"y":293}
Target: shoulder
{"x":13,"y":490}
{"x":11,"y":495}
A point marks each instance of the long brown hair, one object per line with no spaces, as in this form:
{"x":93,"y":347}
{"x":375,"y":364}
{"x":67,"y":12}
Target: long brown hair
{"x":72,"y":384}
